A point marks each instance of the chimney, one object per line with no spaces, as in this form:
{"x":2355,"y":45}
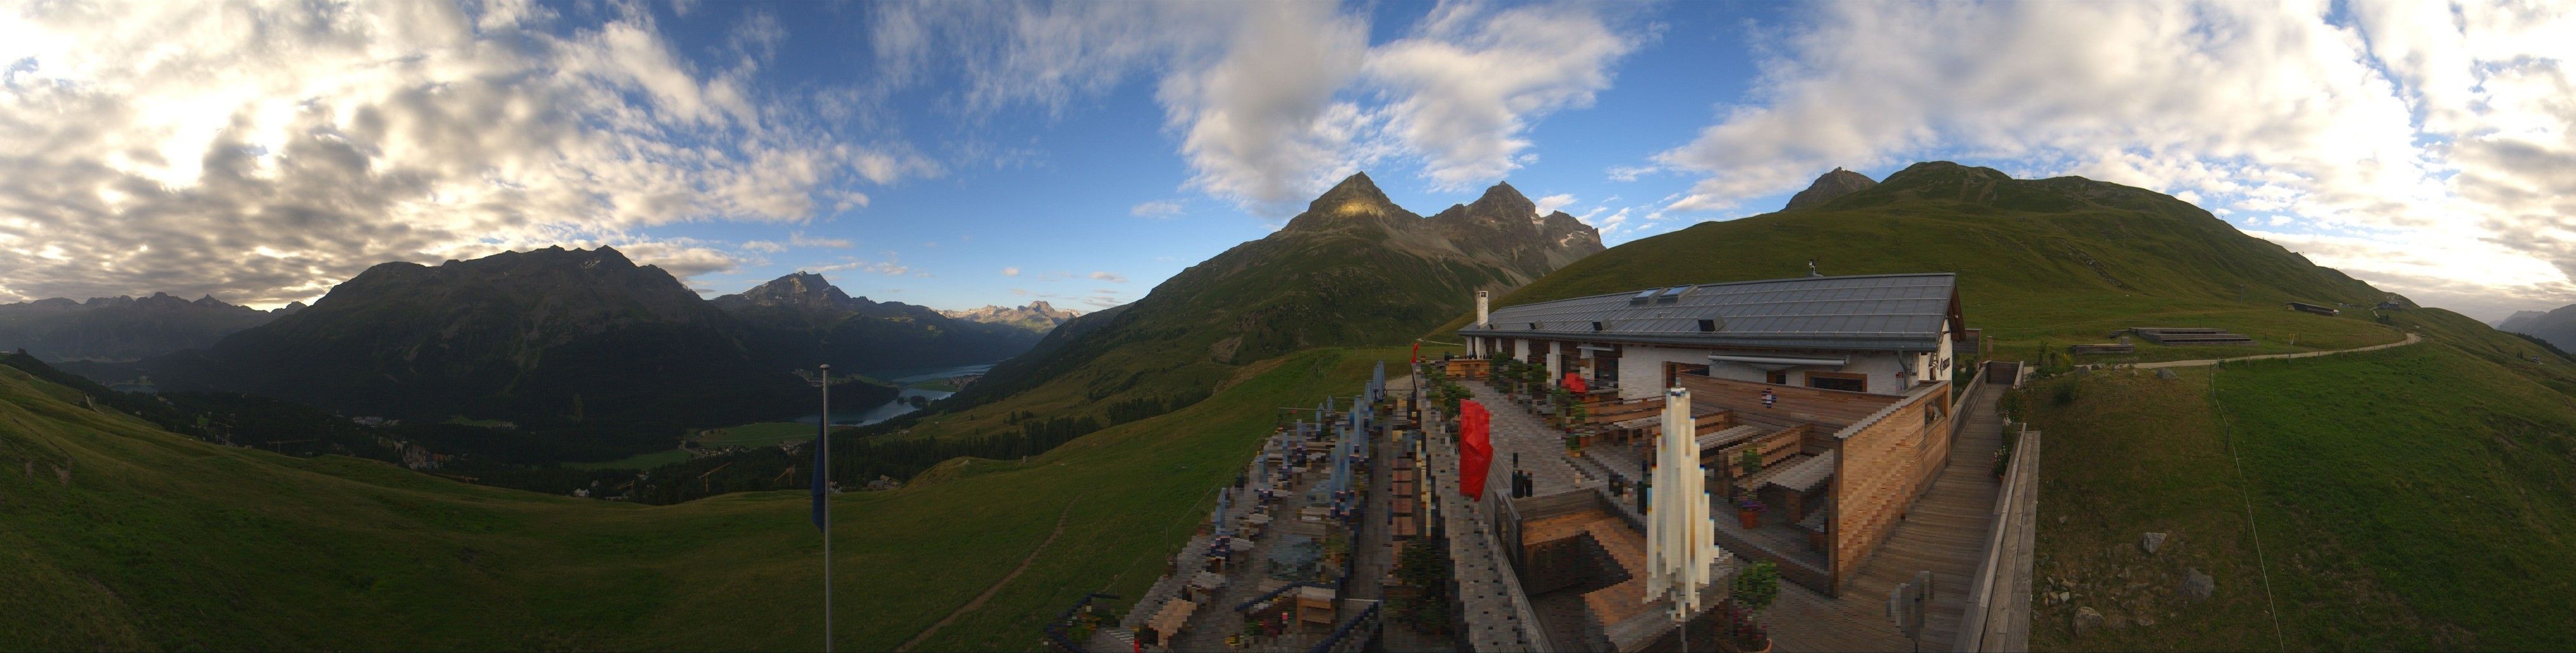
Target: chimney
{"x":1480,"y":310}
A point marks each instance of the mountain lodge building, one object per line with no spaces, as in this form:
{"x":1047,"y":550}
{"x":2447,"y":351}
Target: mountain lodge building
{"x":1877,"y":334}
{"x":1842,"y":386}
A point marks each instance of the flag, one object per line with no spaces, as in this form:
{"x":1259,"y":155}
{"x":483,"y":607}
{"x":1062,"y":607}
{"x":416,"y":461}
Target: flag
{"x":822,"y":438}
{"x":1417,"y":352}
{"x":1475,"y":449}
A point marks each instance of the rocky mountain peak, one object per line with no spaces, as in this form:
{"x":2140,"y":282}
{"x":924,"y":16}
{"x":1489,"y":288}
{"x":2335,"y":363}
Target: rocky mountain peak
{"x":799,"y":288}
{"x":1831,"y":185}
{"x":1356,"y":194}
{"x":1036,"y":316}
{"x":1501,"y":202}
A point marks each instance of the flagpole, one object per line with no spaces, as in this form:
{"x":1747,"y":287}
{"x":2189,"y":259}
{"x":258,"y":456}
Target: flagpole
{"x":822,"y":476}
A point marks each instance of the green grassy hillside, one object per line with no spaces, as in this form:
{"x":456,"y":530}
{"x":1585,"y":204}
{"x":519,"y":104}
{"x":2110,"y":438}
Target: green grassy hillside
{"x":2040,"y":262}
{"x":116,"y":535}
{"x":2412,"y":498}
{"x":1354,"y":270}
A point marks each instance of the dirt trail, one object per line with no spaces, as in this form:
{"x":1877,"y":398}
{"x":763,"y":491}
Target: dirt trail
{"x":970,"y":606}
{"x":2206,"y":362}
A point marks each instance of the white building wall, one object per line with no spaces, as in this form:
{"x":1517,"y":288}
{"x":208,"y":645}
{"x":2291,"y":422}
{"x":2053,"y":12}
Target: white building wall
{"x":1641,"y":368}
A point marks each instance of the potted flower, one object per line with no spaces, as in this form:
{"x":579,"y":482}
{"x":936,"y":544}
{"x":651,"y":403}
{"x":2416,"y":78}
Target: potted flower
{"x":1755,"y":588}
{"x":1573,"y":445}
{"x":1748,"y":511}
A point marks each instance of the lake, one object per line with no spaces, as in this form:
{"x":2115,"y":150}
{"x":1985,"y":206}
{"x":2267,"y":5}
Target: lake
{"x":881,"y":412}
{"x":900,"y":376}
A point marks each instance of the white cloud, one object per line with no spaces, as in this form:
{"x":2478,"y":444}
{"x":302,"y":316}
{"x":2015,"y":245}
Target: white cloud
{"x":888,"y":268}
{"x":799,"y":239}
{"x":1468,"y":83}
{"x":344,"y":136}
{"x":1272,"y":102}
{"x":1260,"y":123}
{"x":1630,"y":173}
{"x":1156,"y":209}
{"x":2403,"y":118}
{"x":1010,"y":272}
{"x":1551,"y":203}
{"x":1109,"y":277}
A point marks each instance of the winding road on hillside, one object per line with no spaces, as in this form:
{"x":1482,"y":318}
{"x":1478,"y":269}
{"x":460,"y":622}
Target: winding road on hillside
{"x":2206,"y":362}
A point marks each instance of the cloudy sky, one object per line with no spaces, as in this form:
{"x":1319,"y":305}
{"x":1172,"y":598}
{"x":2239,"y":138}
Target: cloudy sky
{"x":958,"y":154}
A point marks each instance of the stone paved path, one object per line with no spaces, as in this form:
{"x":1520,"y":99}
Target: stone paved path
{"x":1541,"y":449}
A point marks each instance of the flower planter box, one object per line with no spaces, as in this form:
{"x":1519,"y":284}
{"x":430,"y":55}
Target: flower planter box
{"x":1749,"y":518}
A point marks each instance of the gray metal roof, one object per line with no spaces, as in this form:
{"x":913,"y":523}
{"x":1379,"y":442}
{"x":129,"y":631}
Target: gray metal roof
{"x":1864,"y":312}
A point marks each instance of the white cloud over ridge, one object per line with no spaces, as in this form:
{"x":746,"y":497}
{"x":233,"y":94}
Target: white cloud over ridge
{"x":151,"y":143}
{"x":2406,"y":122}
{"x":1467,"y":85}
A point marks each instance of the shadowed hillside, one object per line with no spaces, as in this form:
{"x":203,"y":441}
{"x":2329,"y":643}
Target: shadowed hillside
{"x":123,"y":537}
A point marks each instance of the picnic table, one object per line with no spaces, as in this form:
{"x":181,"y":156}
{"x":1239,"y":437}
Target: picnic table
{"x":1204,"y":585}
{"x":1166,"y":623}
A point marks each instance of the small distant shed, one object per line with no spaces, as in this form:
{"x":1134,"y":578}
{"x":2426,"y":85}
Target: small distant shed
{"x":2313,"y":308}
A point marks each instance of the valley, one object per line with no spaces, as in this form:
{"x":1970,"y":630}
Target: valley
{"x":1082,"y":464}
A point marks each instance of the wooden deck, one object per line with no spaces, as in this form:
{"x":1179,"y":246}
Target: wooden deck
{"x":1626,"y":546}
{"x":1945,"y":532}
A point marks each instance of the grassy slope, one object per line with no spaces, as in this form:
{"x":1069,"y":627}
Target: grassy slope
{"x":2021,"y":250}
{"x":2412,"y":498}
{"x":160,"y":542}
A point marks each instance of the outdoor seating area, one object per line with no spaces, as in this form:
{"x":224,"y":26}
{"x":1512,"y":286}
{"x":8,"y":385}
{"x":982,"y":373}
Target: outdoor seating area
{"x":1270,"y":565}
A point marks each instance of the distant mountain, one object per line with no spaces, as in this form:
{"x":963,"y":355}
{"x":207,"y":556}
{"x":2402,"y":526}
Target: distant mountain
{"x":2519,"y":321}
{"x":801,"y":318}
{"x":1037,"y":316}
{"x":550,"y":336}
{"x":2557,"y":327}
{"x":1834,"y":184}
{"x":123,"y":328}
{"x":1353,"y":269}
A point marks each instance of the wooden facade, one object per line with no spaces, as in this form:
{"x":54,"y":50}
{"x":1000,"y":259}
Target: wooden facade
{"x":1885,"y":451}
{"x":1884,"y":463}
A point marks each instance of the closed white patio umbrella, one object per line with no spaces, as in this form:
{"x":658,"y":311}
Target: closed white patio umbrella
{"x":1681,"y":546}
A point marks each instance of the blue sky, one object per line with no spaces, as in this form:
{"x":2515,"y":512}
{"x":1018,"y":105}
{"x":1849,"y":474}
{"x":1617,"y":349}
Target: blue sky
{"x":1060,"y":204}
{"x":961,"y":154}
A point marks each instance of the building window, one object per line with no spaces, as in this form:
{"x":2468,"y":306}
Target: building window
{"x":1776,"y":377}
{"x":1838,"y":381}
{"x":1708,"y":326}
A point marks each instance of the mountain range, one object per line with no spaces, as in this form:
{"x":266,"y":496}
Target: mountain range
{"x":124,"y":328}
{"x":1037,"y":316}
{"x":801,"y":318}
{"x":1353,"y":269}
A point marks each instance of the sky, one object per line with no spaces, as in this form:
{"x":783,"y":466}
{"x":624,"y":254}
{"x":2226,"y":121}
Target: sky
{"x":959,"y":154}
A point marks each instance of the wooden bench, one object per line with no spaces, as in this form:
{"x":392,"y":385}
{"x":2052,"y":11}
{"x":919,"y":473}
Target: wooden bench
{"x":1797,"y":480}
{"x":1814,"y":525}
